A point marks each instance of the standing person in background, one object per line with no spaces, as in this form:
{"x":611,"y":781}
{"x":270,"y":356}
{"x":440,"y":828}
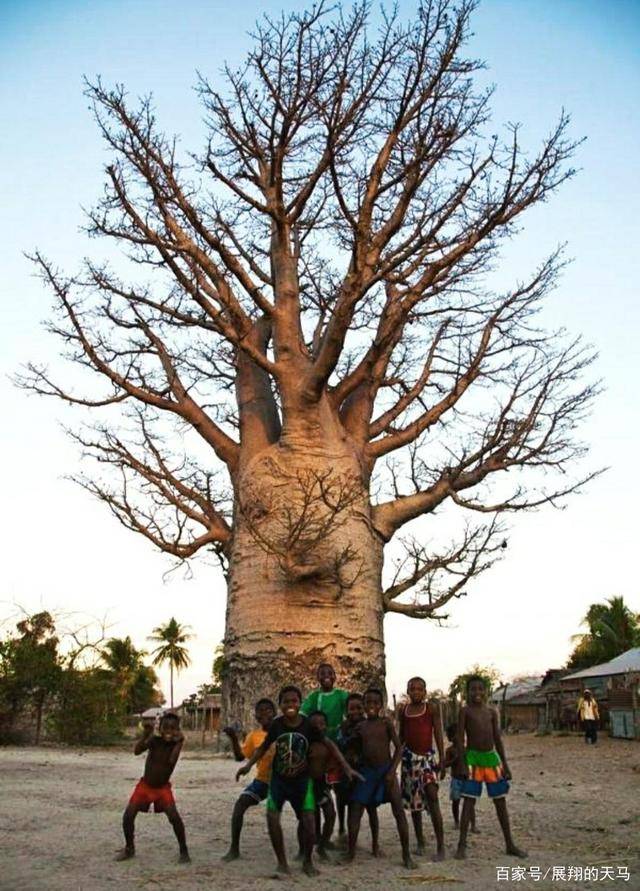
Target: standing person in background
{"x":589,"y":715}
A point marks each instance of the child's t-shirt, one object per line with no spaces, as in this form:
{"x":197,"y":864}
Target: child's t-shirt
{"x":291,"y":747}
{"x":263,"y":767}
{"x":333,"y":704}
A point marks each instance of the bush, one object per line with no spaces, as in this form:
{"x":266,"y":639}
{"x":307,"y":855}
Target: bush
{"x":86,"y":710}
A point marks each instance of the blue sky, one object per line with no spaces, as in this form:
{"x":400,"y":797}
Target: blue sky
{"x":63,"y":551}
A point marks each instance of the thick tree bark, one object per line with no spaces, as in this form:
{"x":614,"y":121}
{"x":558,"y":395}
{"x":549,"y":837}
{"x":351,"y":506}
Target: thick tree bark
{"x":290,"y":608}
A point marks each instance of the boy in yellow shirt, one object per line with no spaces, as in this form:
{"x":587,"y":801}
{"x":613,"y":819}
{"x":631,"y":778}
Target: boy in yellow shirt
{"x":258,"y":789}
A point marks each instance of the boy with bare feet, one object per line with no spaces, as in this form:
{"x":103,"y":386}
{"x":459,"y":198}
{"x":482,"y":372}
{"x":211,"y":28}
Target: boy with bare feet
{"x":485,"y":761}
{"x":320,"y":759}
{"x":258,"y":789}
{"x":378,"y":768}
{"x":350,"y":744}
{"x":420,"y":724}
{"x":292,"y":734}
{"x":163,"y":749}
{"x":332,"y":701}
{"x":454,"y":760}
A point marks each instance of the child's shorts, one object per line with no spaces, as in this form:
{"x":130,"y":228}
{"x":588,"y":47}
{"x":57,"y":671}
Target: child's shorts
{"x":373,"y":790}
{"x":144,"y":795}
{"x":257,"y":790}
{"x":321,"y":791}
{"x":493,"y":777}
{"x":455,"y":788}
{"x":298,"y":791}
{"x":418,"y":772}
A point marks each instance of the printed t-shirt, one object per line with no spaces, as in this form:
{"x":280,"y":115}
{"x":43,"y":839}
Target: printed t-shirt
{"x":252,"y":741}
{"x":291,"y":747}
{"x":587,"y":711}
{"x":333,"y":704}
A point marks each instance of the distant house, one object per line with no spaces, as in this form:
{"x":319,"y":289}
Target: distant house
{"x":203,"y":713}
{"x":536,"y":703}
{"x":615,"y":685}
{"x":515,"y":702}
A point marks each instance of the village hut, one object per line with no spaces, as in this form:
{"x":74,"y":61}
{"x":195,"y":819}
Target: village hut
{"x":615,"y":685}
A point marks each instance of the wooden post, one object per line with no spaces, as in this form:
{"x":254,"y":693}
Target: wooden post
{"x":546,"y":712}
{"x":503,"y":716}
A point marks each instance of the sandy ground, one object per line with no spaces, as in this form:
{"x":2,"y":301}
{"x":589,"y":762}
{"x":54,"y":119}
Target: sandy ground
{"x":60,"y":824}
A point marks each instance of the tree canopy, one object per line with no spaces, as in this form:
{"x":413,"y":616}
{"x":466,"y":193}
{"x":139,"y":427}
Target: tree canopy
{"x":489,"y":674}
{"x":325,"y":260}
{"x":613,"y":628}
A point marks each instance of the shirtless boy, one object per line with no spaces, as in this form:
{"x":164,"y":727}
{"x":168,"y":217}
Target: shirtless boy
{"x":378,"y":768}
{"x":320,"y":759}
{"x":292,"y":735}
{"x":258,"y":789}
{"x":420,"y":725}
{"x":454,"y":759}
{"x":154,"y":788}
{"x":350,"y":744}
{"x":485,"y":761}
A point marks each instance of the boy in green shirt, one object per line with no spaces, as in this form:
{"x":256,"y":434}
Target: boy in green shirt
{"x":333,"y":702}
{"x":328,"y":699}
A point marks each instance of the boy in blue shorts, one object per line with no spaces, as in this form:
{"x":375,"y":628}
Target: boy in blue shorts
{"x":378,"y":767}
{"x":454,"y":760}
{"x":291,"y":734}
{"x":258,"y":789}
{"x":485,"y":762}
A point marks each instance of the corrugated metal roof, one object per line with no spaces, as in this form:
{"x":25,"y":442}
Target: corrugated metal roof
{"x":629,"y":661}
{"x":517,"y":689}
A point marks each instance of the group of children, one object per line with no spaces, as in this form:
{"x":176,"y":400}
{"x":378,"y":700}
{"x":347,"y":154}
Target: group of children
{"x":342,"y":745}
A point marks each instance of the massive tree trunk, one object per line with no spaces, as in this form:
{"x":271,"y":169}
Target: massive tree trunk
{"x":304,"y":580}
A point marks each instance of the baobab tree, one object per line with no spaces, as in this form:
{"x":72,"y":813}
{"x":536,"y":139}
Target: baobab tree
{"x":300,"y":345}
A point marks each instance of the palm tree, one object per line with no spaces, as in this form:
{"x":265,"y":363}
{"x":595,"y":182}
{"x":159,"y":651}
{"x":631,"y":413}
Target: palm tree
{"x":134,"y":681}
{"x":123,"y":661}
{"x":171,"y":638}
{"x":613,"y":629}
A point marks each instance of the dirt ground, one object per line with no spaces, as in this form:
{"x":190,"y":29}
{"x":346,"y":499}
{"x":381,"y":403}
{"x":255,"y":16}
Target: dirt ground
{"x":571,"y":805}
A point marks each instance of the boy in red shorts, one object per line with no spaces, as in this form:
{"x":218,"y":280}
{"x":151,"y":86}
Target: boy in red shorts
{"x":154,"y":788}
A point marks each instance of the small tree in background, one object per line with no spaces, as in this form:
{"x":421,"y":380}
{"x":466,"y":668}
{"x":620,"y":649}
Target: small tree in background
{"x":458,"y":686}
{"x":30,"y":668}
{"x":171,"y":638}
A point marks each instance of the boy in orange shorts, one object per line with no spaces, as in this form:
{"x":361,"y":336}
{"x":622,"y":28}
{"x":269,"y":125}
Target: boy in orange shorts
{"x":154,"y":788}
